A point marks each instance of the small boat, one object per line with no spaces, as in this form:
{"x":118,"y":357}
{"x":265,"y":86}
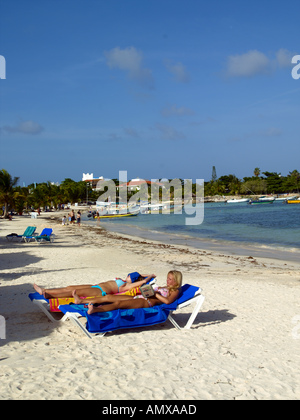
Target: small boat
{"x":111,"y":216}
{"x":237,"y":200}
{"x":266,"y":198}
{"x":260,"y":201}
{"x":113,"y":210}
{"x":147,"y":208}
{"x":285,"y":198}
{"x":293,"y":201}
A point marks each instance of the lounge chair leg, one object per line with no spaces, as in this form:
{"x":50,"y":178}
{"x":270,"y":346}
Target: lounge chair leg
{"x":199,"y":303}
{"x":43,"y":306}
{"x":77,"y":323}
{"x":172,"y":320}
{"x":195,"y":312}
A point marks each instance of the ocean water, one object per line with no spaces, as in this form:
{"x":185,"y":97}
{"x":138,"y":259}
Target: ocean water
{"x":272,"y":228}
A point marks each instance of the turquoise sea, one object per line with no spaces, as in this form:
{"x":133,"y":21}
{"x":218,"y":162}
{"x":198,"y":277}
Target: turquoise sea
{"x":262,"y":230}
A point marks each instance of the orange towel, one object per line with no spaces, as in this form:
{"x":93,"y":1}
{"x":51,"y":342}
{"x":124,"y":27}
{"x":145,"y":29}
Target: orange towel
{"x":54,"y":303}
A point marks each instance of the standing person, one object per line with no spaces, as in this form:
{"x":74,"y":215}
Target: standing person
{"x":78,"y":217}
{"x":72,"y":217}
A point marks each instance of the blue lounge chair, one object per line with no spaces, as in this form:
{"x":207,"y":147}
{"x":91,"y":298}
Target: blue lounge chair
{"x":100,"y":323}
{"x":29,"y":231}
{"x":45,"y":235}
{"x":43,"y":305}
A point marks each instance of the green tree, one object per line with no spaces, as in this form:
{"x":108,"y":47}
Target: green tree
{"x":254,"y":186}
{"x":256,"y":172}
{"x":234,"y":184}
{"x":274,"y":182}
{"x":7,"y":193}
{"x":292,"y":181}
{"x":214,"y":174}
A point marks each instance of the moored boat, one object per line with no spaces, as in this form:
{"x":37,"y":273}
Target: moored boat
{"x":294,"y":201}
{"x":110,"y":209}
{"x":237,"y":200}
{"x":261,"y":201}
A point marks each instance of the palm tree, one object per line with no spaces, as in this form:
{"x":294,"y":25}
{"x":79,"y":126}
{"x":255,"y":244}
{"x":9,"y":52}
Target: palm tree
{"x":256,"y":172}
{"x":7,"y":193}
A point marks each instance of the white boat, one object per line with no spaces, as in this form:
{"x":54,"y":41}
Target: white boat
{"x":266,"y":198}
{"x":285,"y":198}
{"x":147,"y":208}
{"x":237,"y":200}
{"x":115,"y":209}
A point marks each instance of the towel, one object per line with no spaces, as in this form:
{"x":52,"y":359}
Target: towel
{"x":54,"y":303}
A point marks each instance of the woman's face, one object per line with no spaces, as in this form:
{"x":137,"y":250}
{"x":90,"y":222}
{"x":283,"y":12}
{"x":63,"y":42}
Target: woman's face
{"x":170,"y":280}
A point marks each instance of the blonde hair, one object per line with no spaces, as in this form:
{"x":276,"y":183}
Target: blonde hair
{"x":178,"y":280}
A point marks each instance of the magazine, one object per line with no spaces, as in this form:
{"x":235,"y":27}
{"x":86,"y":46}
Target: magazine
{"x":147,"y":290}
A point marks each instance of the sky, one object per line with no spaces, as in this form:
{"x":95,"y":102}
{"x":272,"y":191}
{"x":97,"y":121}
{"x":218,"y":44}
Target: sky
{"x":157,"y":88}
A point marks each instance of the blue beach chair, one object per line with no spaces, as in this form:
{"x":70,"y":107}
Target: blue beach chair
{"x":101,"y":323}
{"x":45,"y":235}
{"x":29,"y":231}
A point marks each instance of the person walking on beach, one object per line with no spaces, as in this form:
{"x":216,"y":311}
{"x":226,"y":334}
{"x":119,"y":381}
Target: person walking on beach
{"x":72,"y":214}
{"x":167,"y":295}
{"x":78,"y":217}
{"x":102,"y":289}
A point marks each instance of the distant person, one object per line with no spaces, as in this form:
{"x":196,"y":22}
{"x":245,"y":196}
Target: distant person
{"x":78,"y":217}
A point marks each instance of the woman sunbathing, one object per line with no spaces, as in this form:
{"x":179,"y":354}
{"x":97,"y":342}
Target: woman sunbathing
{"x":165,"y":295}
{"x":106,"y":288}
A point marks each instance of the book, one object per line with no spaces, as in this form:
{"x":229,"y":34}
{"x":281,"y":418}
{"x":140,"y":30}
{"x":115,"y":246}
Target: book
{"x":147,"y":290}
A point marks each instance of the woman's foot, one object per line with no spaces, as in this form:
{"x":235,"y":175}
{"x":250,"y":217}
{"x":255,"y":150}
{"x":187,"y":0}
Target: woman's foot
{"x":39,"y":289}
{"x":91,"y":309}
{"x":76,"y":297}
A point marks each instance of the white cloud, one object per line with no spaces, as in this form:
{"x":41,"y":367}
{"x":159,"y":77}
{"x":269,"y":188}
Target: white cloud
{"x":284,"y":58}
{"x":249,"y":64}
{"x":173,"y":110}
{"x":131,"y":132}
{"x":169,"y":133}
{"x":255,"y":62}
{"x":178,"y":70}
{"x":130,"y":60}
{"x":24,"y":127}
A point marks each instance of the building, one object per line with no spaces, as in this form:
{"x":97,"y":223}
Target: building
{"x":90,"y":178}
{"x":135,"y":184}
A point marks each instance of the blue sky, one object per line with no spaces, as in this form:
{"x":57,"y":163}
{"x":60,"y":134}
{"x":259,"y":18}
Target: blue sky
{"x":159,"y":88}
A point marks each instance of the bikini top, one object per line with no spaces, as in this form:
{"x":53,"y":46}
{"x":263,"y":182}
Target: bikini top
{"x":120,"y":282}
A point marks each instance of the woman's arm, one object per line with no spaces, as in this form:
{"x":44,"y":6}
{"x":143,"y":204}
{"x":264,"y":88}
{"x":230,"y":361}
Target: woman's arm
{"x":129,"y":286}
{"x":147,"y":277}
{"x":169,"y":299}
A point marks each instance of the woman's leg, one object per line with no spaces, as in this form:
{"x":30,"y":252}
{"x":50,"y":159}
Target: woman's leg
{"x":120,"y":304}
{"x":99,"y":299}
{"x":65,"y":292}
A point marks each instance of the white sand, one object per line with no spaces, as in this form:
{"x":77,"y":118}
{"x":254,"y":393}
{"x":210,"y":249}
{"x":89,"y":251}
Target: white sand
{"x":243,"y":344}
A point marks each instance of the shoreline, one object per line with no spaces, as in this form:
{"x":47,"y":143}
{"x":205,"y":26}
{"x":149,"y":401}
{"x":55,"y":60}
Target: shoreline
{"x":218,"y":246}
{"x":244,"y":344}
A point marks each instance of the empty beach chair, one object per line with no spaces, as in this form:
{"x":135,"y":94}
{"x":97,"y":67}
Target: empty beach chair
{"x":46,"y":235}
{"x":29,"y":231}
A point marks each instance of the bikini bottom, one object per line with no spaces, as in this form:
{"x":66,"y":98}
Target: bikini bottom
{"x":98,"y":287}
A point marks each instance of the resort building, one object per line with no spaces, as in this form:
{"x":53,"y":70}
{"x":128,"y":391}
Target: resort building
{"x":90,"y":178}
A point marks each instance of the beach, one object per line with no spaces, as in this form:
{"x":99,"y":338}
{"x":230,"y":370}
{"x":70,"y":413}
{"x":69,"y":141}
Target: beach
{"x":244,"y":343}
